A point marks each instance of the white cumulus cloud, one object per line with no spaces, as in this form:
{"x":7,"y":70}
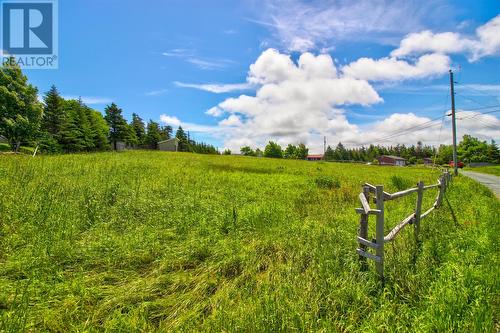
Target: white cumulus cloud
{"x":485,"y":42}
{"x":170,"y":120}
{"x":294,"y":101}
{"x":392,"y":69}
{"x":215,"y":112}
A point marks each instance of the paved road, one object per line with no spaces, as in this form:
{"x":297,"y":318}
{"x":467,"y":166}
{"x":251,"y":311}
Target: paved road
{"x":491,"y":181}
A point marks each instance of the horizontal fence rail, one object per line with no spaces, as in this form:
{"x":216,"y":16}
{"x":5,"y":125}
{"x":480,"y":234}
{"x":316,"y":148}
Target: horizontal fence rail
{"x":380,"y":196}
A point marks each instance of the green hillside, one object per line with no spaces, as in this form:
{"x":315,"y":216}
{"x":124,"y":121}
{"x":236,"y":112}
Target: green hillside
{"x":146,"y":241}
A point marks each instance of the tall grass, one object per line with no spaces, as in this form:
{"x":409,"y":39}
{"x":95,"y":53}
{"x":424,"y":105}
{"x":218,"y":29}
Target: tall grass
{"x":152,"y":241}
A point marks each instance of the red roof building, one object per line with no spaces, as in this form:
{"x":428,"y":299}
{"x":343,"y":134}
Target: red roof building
{"x":317,"y":157}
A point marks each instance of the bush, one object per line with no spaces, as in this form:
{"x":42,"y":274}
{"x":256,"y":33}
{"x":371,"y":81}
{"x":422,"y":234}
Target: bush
{"x":375,"y":162}
{"x":328,"y":183}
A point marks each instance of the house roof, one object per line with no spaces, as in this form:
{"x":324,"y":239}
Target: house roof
{"x":315,"y":155}
{"x":394,"y":157}
{"x":169,"y":140}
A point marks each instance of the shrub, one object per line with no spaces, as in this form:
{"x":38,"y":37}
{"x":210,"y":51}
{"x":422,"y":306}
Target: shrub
{"x":327,"y":182}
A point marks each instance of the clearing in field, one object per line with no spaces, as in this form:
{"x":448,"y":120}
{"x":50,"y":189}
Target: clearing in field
{"x":145,"y":241}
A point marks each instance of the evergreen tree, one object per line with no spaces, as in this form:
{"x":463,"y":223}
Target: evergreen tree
{"x":70,"y":136}
{"x":118,"y":127}
{"x":183,"y":140}
{"x":493,"y":153}
{"x":100,"y":130}
{"x":52,"y":112}
{"x":85,"y":130}
{"x":139,"y":128}
{"x":131,"y":138}
{"x":153,"y":135}
{"x":341,"y":153}
{"x":20,"y":111}
{"x":51,"y":121}
{"x":329,"y":154}
{"x":166,"y":132}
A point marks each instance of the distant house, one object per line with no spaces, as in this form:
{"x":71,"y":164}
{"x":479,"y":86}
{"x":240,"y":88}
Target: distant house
{"x":169,"y":145}
{"x":318,"y":157}
{"x":428,"y":161}
{"x":391,"y":160}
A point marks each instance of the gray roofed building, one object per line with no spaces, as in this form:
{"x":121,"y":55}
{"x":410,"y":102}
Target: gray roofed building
{"x":169,"y":145}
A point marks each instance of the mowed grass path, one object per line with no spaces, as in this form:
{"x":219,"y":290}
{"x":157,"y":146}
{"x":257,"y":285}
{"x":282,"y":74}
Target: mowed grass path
{"x":152,"y":241}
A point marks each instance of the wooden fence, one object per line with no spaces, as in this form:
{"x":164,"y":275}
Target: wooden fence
{"x":380,"y":196}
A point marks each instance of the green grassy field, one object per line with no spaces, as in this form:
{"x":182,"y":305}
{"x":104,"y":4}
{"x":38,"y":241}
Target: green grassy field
{"x":152,"y":241}
{"x":492,"y":170}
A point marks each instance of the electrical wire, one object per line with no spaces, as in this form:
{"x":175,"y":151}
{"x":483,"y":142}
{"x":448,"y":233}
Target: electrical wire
{"x":480,"y":91}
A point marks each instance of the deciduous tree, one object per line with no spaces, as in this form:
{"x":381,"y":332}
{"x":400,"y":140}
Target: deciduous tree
{"x":20,"y":111}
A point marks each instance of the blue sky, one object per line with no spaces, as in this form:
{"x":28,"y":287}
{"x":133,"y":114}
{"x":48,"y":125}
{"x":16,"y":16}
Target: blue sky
{"x":368,"y":71}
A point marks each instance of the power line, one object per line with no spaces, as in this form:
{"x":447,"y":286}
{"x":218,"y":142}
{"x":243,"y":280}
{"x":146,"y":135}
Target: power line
{"x":420,"y":127}
{"x":489,"y":126}
{"x":479,"y":113}
{"x":472,"y":100}
{"x":482,"y":108}
{"x":423,"y":126}
{"x":408,"y":131}
{"x":479,"y":91}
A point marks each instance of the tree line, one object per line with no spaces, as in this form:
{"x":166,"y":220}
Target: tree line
{"x":469,"y":150}
{"x":59,"y":125}
{"x":274,"y":150}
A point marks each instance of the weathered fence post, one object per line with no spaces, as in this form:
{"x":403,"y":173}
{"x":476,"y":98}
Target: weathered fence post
{"x":380,"y":230}
{"x":363,"y":227}
{"x":441,"y":191}
{"x":418,"y":209}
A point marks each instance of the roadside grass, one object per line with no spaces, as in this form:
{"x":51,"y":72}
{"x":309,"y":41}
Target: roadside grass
{"x":492,"y":170}
{"x":153,"y":241}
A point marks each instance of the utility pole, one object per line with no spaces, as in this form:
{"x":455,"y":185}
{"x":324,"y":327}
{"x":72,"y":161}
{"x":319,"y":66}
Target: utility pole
{"x":324,"y":146}
{"x":453,"y":125}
